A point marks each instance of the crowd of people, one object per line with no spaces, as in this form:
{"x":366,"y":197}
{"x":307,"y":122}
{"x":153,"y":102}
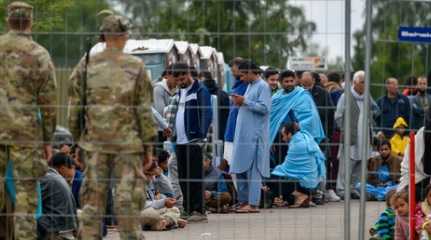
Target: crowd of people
{"x":142,"y":156}
{"x":283,"y":143}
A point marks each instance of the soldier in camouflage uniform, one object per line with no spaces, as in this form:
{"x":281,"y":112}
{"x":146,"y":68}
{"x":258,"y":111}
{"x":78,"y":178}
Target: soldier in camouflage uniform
{"x":27,"y":118}
{"x":118,"y":133}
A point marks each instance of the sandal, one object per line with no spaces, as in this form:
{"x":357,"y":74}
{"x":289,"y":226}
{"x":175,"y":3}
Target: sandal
{"x":248,"y":209}
{"x":303,"y":204}
{"x":236,"y":206}
{"x":254,"y":209}
{"x":243,"y":209}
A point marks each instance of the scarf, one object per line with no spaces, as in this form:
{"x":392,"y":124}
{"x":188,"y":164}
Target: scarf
{"x":284,"y":108}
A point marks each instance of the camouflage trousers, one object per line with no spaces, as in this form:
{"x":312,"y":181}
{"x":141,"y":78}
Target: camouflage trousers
{"x":122,"y":172}
{"x":28,"y":167}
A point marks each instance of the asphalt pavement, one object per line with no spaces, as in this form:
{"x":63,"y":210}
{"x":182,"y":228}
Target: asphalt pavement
{"x":322,"y":222}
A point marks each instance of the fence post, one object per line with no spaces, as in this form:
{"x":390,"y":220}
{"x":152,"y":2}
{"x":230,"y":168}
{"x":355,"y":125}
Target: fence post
{"x":412,"y":185}
{"x":366,"y":119}
{"x":347,"y":140}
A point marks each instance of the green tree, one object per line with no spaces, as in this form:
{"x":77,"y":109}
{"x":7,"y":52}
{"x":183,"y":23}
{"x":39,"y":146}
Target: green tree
{"x":48,"y":13}
{"x":391,"y":58}
{"x":266,"y":30}
{"x":63,"y":27}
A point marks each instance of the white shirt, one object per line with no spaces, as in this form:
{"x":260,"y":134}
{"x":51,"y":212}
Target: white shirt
{"x":179,"y":121}
{"x":420,"y":175}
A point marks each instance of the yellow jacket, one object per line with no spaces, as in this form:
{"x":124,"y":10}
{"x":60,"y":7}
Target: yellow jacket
{"x":399,"y":143}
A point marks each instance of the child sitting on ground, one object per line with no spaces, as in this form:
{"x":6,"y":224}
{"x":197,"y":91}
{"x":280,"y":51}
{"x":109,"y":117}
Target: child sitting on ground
{"x":401,"y":206}
{"x":383,"y":229}
{"x":217,"y":196}
{"x":162,"y":161}
{"x":423,"y":216}
{"x":161,"y":181}
{"x":159,"y":213}
{"x":400,"y":139}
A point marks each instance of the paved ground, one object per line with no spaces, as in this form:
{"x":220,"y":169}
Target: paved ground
{"x":323,"y":222}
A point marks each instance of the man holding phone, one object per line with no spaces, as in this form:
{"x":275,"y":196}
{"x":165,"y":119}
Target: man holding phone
{"x":251,"y":148}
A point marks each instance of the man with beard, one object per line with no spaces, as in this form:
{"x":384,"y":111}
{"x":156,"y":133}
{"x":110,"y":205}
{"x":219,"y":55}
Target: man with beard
{"x":422,"y":161}
{"x":251,"y":149}
{"x":420,"y":104}
{"x":383,"y":172}
{"x":189,"y":117}
{"x":292,"y":104}
{"x":295,"y":101}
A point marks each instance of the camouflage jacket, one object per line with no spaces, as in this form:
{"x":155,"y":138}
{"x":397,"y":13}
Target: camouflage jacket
{"x":27,"y":91}
{"x":119,"y":99}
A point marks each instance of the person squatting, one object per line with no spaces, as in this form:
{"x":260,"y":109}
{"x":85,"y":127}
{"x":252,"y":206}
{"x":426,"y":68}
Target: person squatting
{"x":138,"y":156}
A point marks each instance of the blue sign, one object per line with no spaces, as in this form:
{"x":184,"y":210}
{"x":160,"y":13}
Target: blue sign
{"x":414,"y":34}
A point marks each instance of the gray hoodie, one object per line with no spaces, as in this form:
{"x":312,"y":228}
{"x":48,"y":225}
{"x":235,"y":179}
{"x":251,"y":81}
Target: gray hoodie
{"x":162,"y":95}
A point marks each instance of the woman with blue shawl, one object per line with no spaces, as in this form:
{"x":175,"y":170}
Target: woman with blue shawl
{"x":303,"y":167}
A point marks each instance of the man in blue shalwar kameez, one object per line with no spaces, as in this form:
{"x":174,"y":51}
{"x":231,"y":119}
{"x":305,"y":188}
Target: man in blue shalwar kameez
{"x":251,"y":149}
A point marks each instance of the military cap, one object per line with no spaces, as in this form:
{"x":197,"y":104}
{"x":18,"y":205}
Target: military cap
{"x":113,"y":23}
{"x":19,"y":9}
{"x":62,"y":136}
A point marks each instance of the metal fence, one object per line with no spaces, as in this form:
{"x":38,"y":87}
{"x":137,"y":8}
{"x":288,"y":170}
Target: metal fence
{"x":342,"y":220}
